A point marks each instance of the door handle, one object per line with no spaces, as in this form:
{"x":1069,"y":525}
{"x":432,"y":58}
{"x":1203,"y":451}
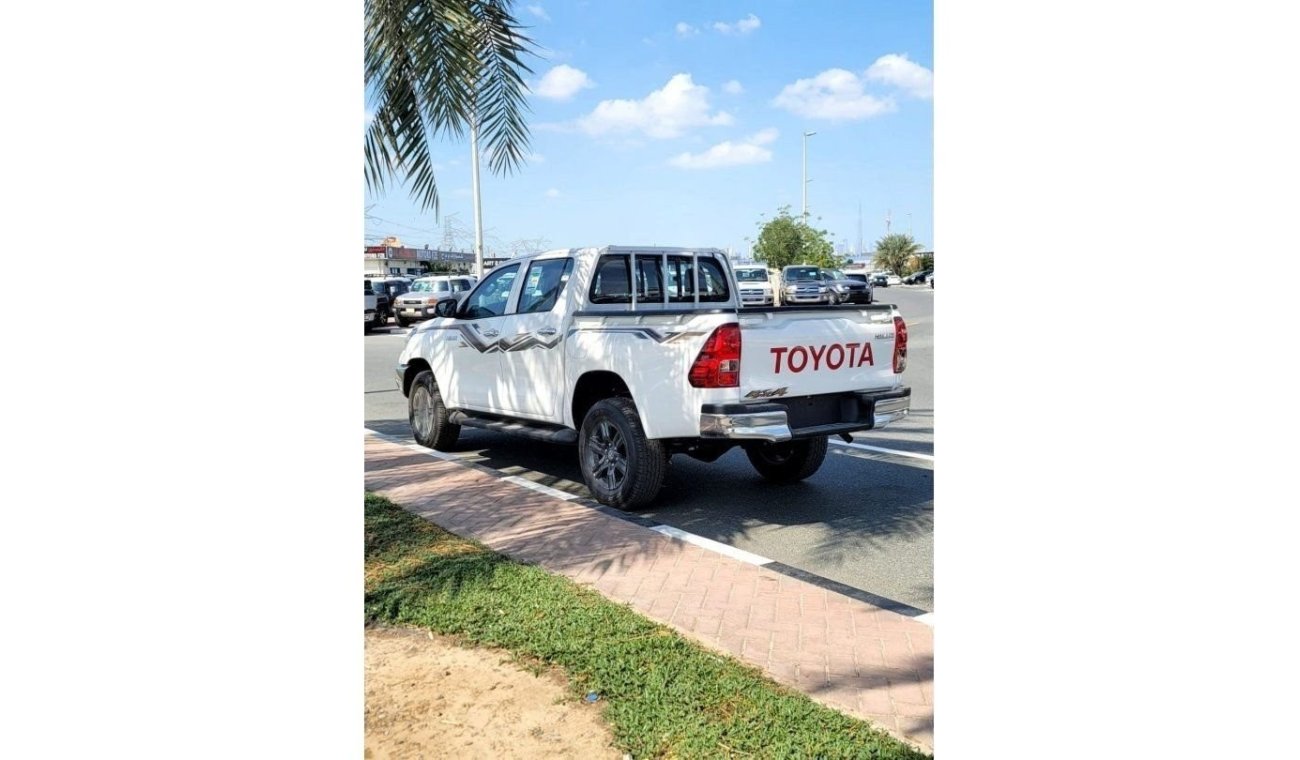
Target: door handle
{"x":546,"y":331}
{"x":491,"y":332}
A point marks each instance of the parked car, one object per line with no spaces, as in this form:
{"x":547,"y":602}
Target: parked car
{"x":802,"y":284}
{"x":372,"y":312}
{"x":845,"y":289}
{"x":931,"y":278}
{"x":879,"y":280}
{"x":893,"y":279}
{"x":387,"y":289}
{"x":756,"y":285}
{"x":417,"y":304}
{"x":916,"y":278}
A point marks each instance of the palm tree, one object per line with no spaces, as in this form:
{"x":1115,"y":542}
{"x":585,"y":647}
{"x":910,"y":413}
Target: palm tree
{"x":893,"y":251}
{"x":433,"y":67}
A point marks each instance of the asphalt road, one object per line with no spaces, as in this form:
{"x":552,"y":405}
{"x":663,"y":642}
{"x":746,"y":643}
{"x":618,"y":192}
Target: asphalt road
{"x":866,"y":519}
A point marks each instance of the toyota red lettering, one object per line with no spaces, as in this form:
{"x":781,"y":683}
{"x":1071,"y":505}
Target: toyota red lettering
{"x":833,"y":353}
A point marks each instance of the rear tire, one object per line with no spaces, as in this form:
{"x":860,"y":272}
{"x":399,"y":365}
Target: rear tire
{"x":621,"y":466}
{"x":428,"y":415}
{"x":790,"y":461}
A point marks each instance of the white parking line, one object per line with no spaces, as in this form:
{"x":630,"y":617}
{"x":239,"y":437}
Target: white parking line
{"x":711,"y":545}
{"x":893,"y":452}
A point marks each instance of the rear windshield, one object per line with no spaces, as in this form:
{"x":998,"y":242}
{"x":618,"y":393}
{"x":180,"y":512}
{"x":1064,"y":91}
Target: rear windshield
{"x":803,"y":273}
{"x":612,"y":281}
{"x":751,"y":275}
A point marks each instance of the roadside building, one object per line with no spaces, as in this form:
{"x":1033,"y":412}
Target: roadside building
{"x":395,"y":260}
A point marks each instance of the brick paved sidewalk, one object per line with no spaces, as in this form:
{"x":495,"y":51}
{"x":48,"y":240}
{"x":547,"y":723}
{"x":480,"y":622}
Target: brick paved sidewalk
{"x":849,"y":655}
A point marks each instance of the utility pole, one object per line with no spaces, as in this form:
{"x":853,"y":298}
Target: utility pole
{"x":478,"y":204}
{"x":806,"y":135}
{"x":887,"y":213}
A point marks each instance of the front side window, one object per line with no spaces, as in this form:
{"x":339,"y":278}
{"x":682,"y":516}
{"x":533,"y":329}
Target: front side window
{"x":460,"y":286}
{"x":489,"y":299}
{"x":543,"y":285}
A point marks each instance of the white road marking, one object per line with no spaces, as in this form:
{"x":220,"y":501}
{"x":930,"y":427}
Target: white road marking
{"x":893,"y":452}
{"x":526,"y":483}
{"x":711,"y":545}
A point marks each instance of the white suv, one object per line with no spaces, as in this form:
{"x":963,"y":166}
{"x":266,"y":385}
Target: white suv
{"x":418,"y":303}
{"x":755,"y":284}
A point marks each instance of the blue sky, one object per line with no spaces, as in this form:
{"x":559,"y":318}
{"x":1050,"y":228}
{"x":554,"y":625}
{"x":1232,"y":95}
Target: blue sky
{"x":680,"y":123}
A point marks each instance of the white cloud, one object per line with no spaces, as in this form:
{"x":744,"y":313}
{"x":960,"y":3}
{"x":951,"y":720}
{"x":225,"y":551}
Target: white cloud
{"x":733,"y":88}
{"x":664,"y":113}
{"x":833,"y":94}
{"x":552,"y":193}
{"x":749,"y":150}
{"x":562,"y":82}
{"x":741,"y":27}
{"x":539,"y":12}
{"x":685,"y":30}
{"x":913,"y":78}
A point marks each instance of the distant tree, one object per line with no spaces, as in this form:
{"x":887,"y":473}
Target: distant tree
{"x":786,"y":240}
{"x":893,"y":251}
{"x":923,"y":262}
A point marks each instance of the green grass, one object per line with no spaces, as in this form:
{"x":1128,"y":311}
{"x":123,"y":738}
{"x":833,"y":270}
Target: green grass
{"x":665,"y":696}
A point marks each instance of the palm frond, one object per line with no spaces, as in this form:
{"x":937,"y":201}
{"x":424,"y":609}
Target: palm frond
{"x":430,"y":65}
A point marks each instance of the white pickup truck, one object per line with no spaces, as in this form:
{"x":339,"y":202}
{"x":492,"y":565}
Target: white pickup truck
{"x":559,"y":346}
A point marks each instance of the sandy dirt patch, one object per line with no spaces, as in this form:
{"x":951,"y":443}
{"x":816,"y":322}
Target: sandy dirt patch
{"x":427,"y":697}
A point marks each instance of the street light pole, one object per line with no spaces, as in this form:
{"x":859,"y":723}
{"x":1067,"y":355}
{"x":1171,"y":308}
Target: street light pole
{"x":806,"y":135}
{"x":478,"y":205}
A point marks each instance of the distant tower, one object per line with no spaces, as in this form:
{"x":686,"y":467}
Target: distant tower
{"x":859,"y":249}
{"x":886,"y":221}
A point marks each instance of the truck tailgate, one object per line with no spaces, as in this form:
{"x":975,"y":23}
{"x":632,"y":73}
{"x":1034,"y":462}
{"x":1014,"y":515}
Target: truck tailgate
{"x":789,"y":352}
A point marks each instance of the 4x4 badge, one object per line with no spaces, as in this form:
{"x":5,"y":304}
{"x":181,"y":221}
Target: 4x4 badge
{"x":767,"y":393}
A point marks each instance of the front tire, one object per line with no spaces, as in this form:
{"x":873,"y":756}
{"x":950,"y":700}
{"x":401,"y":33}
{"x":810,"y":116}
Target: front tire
{"x":621,"y":466}
{"x":428,"y":415}
{"x":403,"y":321}
{"x":789,"y":461}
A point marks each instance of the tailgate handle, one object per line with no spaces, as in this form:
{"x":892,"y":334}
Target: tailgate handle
{"x":546,"y":331}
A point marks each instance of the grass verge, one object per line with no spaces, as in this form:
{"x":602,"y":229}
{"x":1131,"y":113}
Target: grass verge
{"x":665,"y":696}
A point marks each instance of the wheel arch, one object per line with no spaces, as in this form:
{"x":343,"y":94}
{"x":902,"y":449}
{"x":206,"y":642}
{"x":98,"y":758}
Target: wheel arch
{"x":594,"y":386}
{"x":415,"y":367}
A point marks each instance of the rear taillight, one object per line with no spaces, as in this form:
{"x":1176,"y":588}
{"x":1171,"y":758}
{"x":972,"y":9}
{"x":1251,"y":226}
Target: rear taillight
{"x":718,"y":365}
{"x":900,"y":345}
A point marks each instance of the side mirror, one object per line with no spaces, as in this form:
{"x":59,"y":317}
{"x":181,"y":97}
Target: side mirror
{"x":445,"y":307}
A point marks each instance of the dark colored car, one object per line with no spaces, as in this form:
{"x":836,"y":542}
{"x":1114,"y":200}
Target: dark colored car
{"x":917,"y":278}
{"x":880,"y":281}
{"x":845,"y":289}
{"x":388,"y":289}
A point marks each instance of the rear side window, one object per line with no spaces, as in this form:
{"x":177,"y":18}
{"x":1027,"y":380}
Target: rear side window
{"x":459,"y":286}
{"x":543,"y":285}
{"x":611,"y":283}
